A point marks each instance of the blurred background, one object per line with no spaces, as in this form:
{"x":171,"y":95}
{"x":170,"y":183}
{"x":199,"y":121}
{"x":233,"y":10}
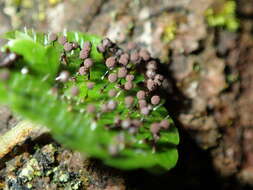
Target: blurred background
{"x":207,"y":46}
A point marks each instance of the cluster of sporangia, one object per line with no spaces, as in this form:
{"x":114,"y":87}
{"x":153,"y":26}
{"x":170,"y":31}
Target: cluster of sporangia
{"x":122,"y":66}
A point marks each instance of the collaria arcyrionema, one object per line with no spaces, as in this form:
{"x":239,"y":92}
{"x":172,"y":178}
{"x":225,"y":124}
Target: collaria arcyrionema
{"x":109,"y":103}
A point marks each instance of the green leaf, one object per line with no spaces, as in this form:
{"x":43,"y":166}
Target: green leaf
{"x":31,"y":96}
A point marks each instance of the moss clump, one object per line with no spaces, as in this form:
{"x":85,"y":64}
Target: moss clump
{"x":223,"y":14}
{"x":169,"y":32}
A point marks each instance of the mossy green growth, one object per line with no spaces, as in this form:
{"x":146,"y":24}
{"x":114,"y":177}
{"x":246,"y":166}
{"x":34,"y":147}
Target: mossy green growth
{"x":169,"y":32}
{"x":32,"y":90}
{"x":223,"y":14}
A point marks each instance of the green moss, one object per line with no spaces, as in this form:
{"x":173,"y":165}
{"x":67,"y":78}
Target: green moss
{"x":223,"y":14}
{"x":169,"y":32}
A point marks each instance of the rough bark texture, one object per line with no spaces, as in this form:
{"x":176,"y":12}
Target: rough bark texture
{"x":210,"y":96}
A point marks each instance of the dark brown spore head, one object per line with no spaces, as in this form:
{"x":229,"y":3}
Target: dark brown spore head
{"x":75,"y":91}
{"x":134,"y":57}
{"x":164,"y":124}
{"x":112,"y":93}
{"x":128,"y":85}
{"x":87,"y":46}
{"x":155,"y":100}
{"x":110,"y":62}
{"x":129,"y":77}
{"x":124,"y":59}
{"x":62,"y":40}
{"x":126,"y":123}
{"x":90,"y":108}
{"x":112,"y":77}
{"x":4,"y":75}
{"x":145,"y":111}
{"x":150,"y":74}
{"x":136,"y":123}
{"x":84,"y":54}
{"x":88,"y":63}
{"x":142,"y":103}
{"x":112,"y":105}
{"x":159,"y":79}
{"x":155,"y":128}
{"x":119,"y":52}
{"x":101,"y":48}
{"x":107,"y":43}
{"x":52,"y":37}
{"x":90,"y":85}
{"x":151,"y":65}
{"x":141,"y":94}
{"x":144,"y":54}
{"x":151,"y":85}
{"x":68,"y":46}
{"x":122,"y":72}
{"x":83,"y":71}
{"x":129,"y":100}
